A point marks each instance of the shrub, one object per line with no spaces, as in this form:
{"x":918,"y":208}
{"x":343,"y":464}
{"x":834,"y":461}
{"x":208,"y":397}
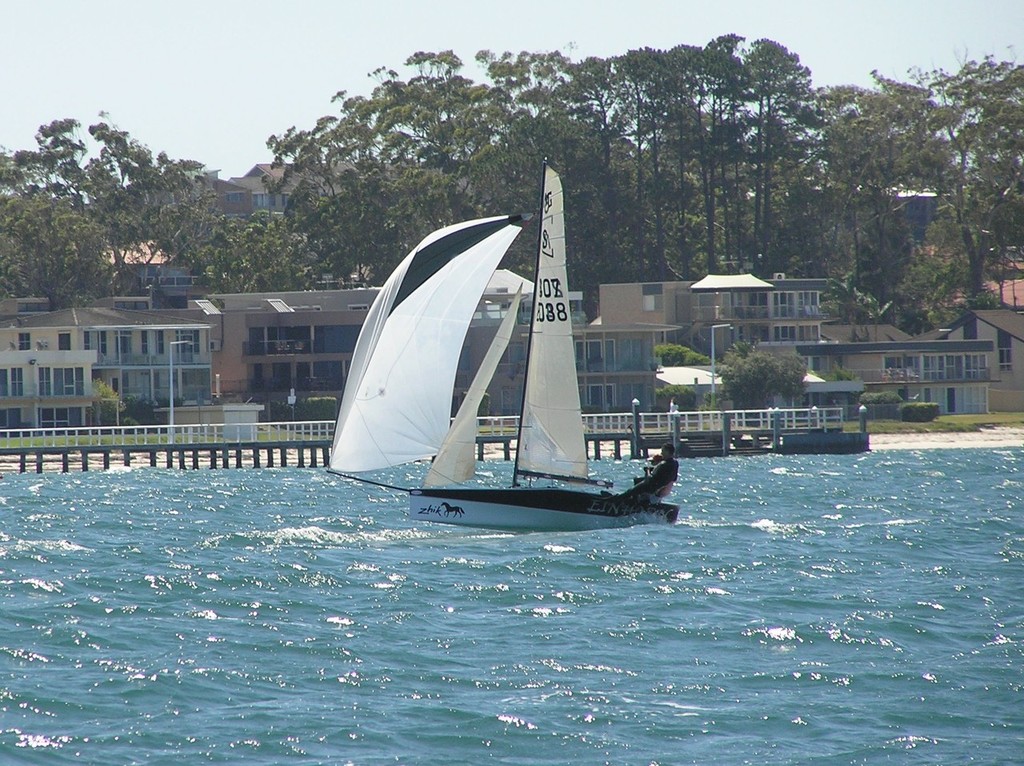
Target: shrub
{"x":881,"y":397}
{"x":919,"y":412}
{"x":685,"y":396}
{"x":317,"y":408}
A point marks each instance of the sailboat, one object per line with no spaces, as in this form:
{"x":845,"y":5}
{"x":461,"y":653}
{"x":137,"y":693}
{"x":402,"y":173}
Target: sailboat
{"x":397,"y":402}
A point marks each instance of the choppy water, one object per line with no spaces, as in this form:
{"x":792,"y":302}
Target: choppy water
{"x":853,"y":609}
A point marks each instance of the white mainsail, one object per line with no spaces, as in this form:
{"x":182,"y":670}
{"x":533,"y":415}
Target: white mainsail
{"x":551,"y":440}
{"x":456,"y":460}
{"x":397,"y":402}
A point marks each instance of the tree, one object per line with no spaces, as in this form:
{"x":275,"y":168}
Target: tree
{"x":751,"y":379}
{"x":675,"y":355}
{"x":138,"y":204}
{"x":980,"y":117}
{"x":782,"y":122}
{"x":255,"y":255}
{"x":49,"y":248}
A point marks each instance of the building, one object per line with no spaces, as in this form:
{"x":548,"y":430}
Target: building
{"x":954,"y":374}
{"x":265,"y":345}
{"x":244,"y":195}
{"x":729,"y":307}
{"x":48,"y":362}
{"x":1004,"y":330}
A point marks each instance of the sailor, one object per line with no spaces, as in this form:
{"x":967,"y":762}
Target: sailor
{"x":659,"y":478}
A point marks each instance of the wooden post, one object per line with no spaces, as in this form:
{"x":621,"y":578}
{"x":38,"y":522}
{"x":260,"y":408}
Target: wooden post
{"x":634,"y":452}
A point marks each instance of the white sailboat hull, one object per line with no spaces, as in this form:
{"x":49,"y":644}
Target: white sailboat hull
{"x":533,"y":509}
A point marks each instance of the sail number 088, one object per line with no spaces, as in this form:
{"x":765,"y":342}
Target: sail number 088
{"x":552,"y":310}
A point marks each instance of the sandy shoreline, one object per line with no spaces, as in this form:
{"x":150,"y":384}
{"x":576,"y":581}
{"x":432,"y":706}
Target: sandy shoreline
{"x":989,"y":438}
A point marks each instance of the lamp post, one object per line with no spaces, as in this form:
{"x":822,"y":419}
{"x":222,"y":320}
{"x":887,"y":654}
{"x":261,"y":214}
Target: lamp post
{"x":170,"y":388}
{"x":714,"y":395}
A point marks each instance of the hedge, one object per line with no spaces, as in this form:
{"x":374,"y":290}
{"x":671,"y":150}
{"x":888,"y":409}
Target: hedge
{"x":919,"y":412}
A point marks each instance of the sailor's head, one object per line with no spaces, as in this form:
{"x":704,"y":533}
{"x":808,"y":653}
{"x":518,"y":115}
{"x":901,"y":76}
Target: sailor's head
{"x":667,"y":450}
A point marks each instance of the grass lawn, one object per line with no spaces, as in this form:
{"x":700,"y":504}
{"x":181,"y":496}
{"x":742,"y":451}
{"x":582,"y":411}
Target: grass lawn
{"x":944,"y":423}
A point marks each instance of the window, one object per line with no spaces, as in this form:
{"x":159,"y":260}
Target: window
{"x":24,"y":341}
{"x":191,"y":344}
{"x":975,"y":367}
{"x":17,"y":382}
{"x":124,"y":343}
{"x":64,"y":341}
{"x":784,"y":333}
{"x":68,"y":381}
{"x":783,"y":304}
{"x":600,"y":396}
{"x":144,"y":342}
{"x":45,"y":382}
{"x":4,"y":389}
{"x":60,"y":417}
{"x":1005,"y":346}
{"x":327,"y":374}
{"x":652,"y":297}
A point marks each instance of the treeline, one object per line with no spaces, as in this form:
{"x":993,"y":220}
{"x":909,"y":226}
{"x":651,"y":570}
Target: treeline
{"x":677,"y":163}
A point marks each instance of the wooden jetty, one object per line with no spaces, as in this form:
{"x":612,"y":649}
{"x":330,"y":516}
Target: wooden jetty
{"x":613,"y":436}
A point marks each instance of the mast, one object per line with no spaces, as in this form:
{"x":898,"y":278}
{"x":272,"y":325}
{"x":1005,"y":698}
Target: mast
{"x":533,"y":319}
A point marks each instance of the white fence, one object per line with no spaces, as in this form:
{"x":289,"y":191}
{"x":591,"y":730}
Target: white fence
{"x":651,"y":423}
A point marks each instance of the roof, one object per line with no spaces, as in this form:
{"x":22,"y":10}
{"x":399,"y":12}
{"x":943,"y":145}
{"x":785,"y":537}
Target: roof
{"x":720,"y":283}
{"x":1002,"y":319}
{"x":854,"y":333}
{"x":824,"y":348}
{"x":101,"y":317}
{"x":505,"y":281}
{"x":686,"y":376}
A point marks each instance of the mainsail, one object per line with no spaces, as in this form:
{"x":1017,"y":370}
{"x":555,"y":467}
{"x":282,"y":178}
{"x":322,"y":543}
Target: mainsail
{"x":397,"y":402}
{"x":551,"y":440}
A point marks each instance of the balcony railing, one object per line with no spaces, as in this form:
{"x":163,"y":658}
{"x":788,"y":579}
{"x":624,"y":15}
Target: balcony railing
{"x":906,"y":375}
{"x":150,"y":360}
{"x":277,"y":347}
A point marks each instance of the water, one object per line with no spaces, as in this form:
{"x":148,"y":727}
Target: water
{"x":842,"y":609}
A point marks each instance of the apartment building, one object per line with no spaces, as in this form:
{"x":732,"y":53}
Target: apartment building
{"x":49,"y":360}
{"x":615,"y":362}
{"x":733,"y":307}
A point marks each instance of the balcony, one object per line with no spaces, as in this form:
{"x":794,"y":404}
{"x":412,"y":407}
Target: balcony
{"x":150,"y":360}
{"x":911,"y":376}
{"x":277,"y":347}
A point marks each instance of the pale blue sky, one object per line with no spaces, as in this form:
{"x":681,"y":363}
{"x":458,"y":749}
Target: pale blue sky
{"x":211,"y":79}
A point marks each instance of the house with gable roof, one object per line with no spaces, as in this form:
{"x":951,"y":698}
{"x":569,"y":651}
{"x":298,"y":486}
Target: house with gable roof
{"x":1004,"y":329}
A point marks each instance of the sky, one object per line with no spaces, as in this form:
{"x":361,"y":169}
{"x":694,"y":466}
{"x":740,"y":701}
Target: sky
{"x":211,"y":80}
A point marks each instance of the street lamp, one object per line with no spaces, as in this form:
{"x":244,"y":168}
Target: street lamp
{"x":714,"y":396}
{"x":170,"y":370}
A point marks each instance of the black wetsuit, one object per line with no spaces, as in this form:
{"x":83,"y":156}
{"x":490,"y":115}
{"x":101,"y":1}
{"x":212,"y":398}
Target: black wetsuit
{"x":663,"y":475}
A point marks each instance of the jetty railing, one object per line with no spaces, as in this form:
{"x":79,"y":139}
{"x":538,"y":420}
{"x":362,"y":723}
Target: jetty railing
{"x":216,"y":433}
{"x":651,"y":424}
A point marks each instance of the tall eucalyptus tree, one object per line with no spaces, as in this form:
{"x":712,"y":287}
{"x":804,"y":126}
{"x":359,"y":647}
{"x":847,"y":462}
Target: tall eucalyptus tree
{"x":980,"y":118}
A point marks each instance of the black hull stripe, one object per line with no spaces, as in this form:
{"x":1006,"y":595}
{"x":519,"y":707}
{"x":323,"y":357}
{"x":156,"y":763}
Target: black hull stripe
{"x":564,"y":500}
